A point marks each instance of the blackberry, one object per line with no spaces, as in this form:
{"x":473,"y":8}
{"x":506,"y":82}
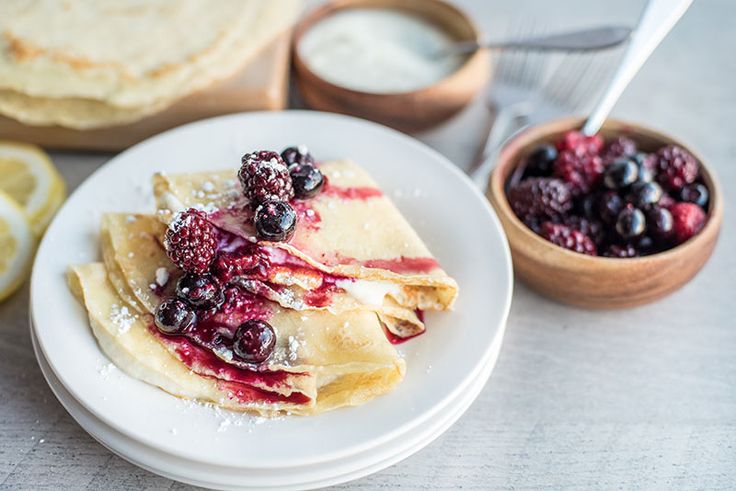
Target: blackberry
{"x":590,"y":227}
{"x":581,"y":170}
{"x":621,"y":251}
{"x":676,"y":167}
{"x":568,"y":238}
{"x":622,"y":146}
{"x":191,"y":241}
{"x":264,"y":177}
{"x":540,"y":197}
{"x":577,"y":142}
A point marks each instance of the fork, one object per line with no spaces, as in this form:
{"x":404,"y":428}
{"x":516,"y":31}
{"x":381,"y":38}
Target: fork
{"x":517,"y":77}
{"x":571,"y":86}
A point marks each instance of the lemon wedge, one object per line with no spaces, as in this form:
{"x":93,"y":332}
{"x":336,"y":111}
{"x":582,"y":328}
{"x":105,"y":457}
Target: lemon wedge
{"x":28,"y":176}
{"x":17,"y":245}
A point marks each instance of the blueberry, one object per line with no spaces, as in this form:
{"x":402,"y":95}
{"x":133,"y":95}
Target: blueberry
{"x":174,"y":316}
{"x":659,"y":222}
{"x":275,"y":221}
{"x":620,"y":173}
{"x":695,"y":193}
{"x":587,"y":205}
{"x":644,"y":194}
{"x":610,"y":205}
{"x":306,"y":179}
{"x":631,"y":222}
{"x":644,"y":164}
{"x":254,"y":341}
{"x":297,"y":155}
{"x":201,"y":291}
{"x":540,"y":161}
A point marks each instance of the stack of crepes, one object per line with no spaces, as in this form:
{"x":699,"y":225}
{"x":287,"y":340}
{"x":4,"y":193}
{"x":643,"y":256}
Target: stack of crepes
{"x":96,"y":63}
{"x":351,"y":282}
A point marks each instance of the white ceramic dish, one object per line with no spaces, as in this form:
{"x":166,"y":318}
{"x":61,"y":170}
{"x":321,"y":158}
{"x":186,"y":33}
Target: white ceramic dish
{"x":438,"y":200}
{"x":315,"y":476}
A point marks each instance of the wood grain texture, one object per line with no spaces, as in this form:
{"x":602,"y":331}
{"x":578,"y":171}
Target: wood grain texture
{"x":643,"y":398}
{"x":597,"y":282}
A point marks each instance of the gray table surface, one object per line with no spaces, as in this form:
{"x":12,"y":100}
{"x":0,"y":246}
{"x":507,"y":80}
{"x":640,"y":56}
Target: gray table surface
{"x":641,"y":398}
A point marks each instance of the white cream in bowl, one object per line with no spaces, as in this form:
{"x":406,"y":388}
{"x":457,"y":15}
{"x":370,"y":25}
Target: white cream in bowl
{"x":378,"y":50}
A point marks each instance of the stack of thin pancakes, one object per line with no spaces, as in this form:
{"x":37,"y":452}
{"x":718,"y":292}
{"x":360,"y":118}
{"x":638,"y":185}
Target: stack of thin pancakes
{"x":96,"y":63}
{"x":351,"y":282}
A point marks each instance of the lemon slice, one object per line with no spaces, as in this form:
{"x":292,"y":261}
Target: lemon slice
{"x":17,"y":245}
{"x":28,"y":176}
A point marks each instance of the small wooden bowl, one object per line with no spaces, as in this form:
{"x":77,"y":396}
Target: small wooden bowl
{"x":406,"y":111}
{"x":599,"y":282}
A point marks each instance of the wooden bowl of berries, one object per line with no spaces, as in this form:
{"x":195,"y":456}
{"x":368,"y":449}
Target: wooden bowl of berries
{"x":615,"y":220}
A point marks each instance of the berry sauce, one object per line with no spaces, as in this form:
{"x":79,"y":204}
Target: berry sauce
{"x":360,"y":193}
{"x":404,"y":265}
{"x":306,"y":215}
{"x":394,"y":339}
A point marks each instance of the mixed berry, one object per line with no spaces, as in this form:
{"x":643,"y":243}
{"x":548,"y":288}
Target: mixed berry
{"x":208,"y":287}
{"x":609,"y":199}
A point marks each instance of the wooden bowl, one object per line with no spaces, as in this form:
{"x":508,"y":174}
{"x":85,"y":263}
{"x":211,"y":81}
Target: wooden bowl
{"x":407,"y":111}
{"x":599,"y":282}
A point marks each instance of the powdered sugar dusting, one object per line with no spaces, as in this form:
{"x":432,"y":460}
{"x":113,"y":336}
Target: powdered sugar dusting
{"x":224,"y":419}
{"x":162,"y":276}
{"x":121,"y":317}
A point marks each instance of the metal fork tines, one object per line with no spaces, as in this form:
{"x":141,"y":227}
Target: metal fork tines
{"x":517,"y":76}
{"x":571,"y":86}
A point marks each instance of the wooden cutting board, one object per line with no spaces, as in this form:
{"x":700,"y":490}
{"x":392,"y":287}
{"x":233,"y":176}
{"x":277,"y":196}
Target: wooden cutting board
{"x":261,"y":85}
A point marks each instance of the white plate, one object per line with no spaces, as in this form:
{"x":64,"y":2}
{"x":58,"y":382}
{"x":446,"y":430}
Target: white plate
{"x":315,"y":476}
{"x":451,"y":216}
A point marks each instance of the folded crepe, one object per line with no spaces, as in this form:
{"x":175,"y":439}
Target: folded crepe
{"x":352,"y":249}
{"x":321,"y":361}
{"x":92,"y":63}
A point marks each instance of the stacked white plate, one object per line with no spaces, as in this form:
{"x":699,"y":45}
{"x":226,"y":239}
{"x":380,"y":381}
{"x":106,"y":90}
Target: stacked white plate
{"x":198,"y":444}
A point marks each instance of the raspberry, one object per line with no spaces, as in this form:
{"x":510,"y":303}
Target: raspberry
{"x":677,"y":167}
{"x":591,"y":228}
{"x":687,"y":220}
{"x":264,"y":177}
{"x":540,"y":197}
{"x":568,"y":238}
{"x":191,"y":241}
{"x":621,"y":251}
{"x":577,"y":142}
{"x":581,"y":170}
{"x":622,"y":146}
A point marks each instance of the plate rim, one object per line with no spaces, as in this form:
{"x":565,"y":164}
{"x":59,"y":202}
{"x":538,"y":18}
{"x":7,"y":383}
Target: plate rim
{"x":405,"y":140}
{"x":367,"y":466}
